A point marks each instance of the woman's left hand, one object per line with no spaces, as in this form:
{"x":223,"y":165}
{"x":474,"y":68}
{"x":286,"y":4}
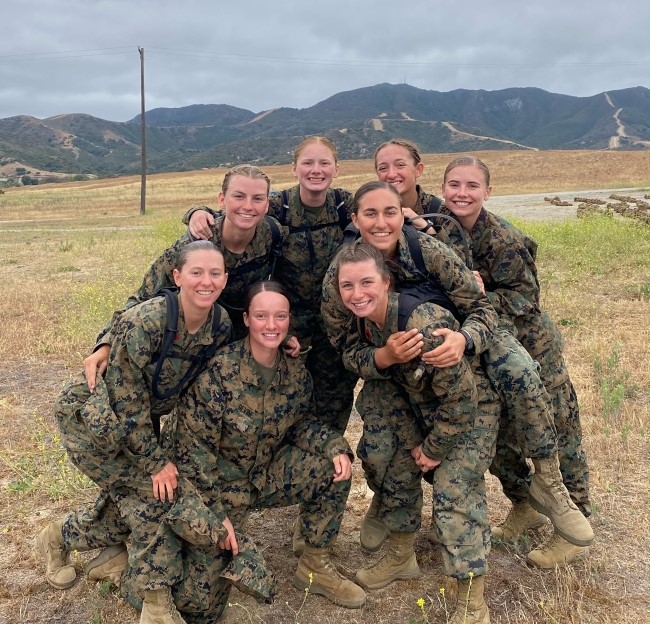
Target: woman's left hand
{"x":449,"y":353}
{"x":479,"y":279}
{"x":342,"y":468}
{"x":292,"y":347}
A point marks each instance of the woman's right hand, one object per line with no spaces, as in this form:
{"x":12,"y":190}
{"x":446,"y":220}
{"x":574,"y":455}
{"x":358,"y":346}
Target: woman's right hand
{"x":165,"y":481}
{"x":96,"y":364}
{"x":230,"y":543}
{"x":401,"y":347}
{"x":200,"y":225}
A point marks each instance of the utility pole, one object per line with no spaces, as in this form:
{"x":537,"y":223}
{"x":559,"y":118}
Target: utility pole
{"x":143,"y":179}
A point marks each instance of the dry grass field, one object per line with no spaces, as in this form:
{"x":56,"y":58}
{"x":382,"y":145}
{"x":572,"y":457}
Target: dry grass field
{"x":72,"y":253}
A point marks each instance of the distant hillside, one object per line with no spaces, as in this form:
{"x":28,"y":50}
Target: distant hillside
{"x":357,"y":121}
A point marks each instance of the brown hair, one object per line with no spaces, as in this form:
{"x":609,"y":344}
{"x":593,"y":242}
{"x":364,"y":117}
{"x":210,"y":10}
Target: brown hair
{"x":368,"y":187}
{"x":465,"y":161}
{"x":190,"y":248}
{"x":264,"y":286}
{"x":409,"y":146}
{"x":360,"y":251}
{"x":248,"y":171}
{"x":310,"y":141}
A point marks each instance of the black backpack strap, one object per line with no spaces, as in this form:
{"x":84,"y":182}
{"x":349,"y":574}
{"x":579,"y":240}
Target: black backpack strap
{"x":412,"y":295}
{"x":276,"y":243}
{"x":413,"y":242}
{"x":461,"y":231}
{"x":341,"y":209}
{"x":284,"y":209}
{"x":434,"y":205}
{"x":350,"y":234}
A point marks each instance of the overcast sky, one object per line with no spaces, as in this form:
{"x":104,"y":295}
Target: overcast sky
{"x":73,"y":56}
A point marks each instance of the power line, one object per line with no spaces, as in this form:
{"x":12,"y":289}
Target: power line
{"x":208,"y":54}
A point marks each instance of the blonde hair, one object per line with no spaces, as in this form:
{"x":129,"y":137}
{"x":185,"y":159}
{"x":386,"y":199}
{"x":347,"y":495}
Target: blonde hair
{"x":320,"y":140}
{"x":248,"y":171}
{"x":466,"y":161}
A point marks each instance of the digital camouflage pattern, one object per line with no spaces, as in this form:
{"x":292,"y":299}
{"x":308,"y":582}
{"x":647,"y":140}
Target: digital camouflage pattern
{"x":110,"y":437}
{"x":505,"y":258}
{"x":312,"y":238}
{"x":246,"y":446}
{"x":456,"y":411}
{"x":445,"y":268}
{"x":253,"y":265}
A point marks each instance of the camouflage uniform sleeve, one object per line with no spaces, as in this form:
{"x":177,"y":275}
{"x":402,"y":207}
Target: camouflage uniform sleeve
{"x":199,"y":431}
{"x":188,"y":215}
{"x":130,"y":394}
{"x":310,"y":433}
{"x":463,"y":290}
{"x":457,"y":402}
{"x":511,"y":275}
{"x":336,"y":317}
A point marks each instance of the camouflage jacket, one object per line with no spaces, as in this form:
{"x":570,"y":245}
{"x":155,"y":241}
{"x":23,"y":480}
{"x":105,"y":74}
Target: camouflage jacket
{"x":505,"y":258}
{"x":253,"y":265}
{"x":137,"y":344}
{"x":444,"y":399}
{"x":445,"y":268}
{"x":229,"y":427}
{"x":307,"y":251}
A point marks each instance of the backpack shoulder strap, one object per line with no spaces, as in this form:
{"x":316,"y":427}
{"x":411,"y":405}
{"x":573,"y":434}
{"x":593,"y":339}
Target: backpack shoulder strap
{"x":434,"y":204}
{"x":413,"y":242}
{"x":284,"y":209}
{"x":341,"y":209}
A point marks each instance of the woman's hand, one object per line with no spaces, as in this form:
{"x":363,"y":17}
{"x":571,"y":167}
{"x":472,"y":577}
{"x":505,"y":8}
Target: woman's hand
{"x":449,"y":353}
{"x":95,"y":365}
{"x":292,"y":347}
{"x":417,"y":221}
{"x":230,"y":543}
{"x":200,"y":224}
{"x":424,"y":463}
{"x":165,"y":482}
{"x":342,"y":468}
{"x":401,"y":347}
{"x":479,"y":279}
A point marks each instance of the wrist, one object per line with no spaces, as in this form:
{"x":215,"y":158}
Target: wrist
{"x":427,"y":225}
{"x":470,"y":348}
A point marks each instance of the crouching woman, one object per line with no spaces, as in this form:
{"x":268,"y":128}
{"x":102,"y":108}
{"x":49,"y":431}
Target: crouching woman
{"x":248,"y":438}
{"x":457,"y":412}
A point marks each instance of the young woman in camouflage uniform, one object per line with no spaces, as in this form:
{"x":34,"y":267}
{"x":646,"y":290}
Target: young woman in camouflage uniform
{"x":248,"y":239}
{"x":457,"y":413}
{"x":111,"y":435}
{"x":248,"y":438}
{"x":505,"y":258}
{"x":315,"y":216}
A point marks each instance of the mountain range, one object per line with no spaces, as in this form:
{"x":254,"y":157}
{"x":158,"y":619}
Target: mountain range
{"x":209,"y":135}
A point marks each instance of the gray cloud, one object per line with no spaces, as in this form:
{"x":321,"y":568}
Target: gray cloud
{"x":69,"y":56}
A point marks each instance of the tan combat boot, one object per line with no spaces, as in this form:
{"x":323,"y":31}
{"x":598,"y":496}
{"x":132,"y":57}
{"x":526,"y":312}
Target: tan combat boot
{"x":58,"y":572}
{"x":158,"y":608}
{"x":556,"y":552}
{"x":471,"y":607}
{"x":326,"y":580}
{"x":521,"y":518}
{"x":108,"y":565}
{"x":373,"y":531}
{"x":398,"y":563}
{"x":298,"y":541}
{"x":549,"y":496}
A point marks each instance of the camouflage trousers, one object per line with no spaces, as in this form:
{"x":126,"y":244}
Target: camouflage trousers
{"x":389,"y":433}
{"x":295,"y":476}
{"x":459,"y":499}
{"x":515,"y":376}
{"x":543,"y":341}
{"x":125,"y":506}
{"x":333,"y":383}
